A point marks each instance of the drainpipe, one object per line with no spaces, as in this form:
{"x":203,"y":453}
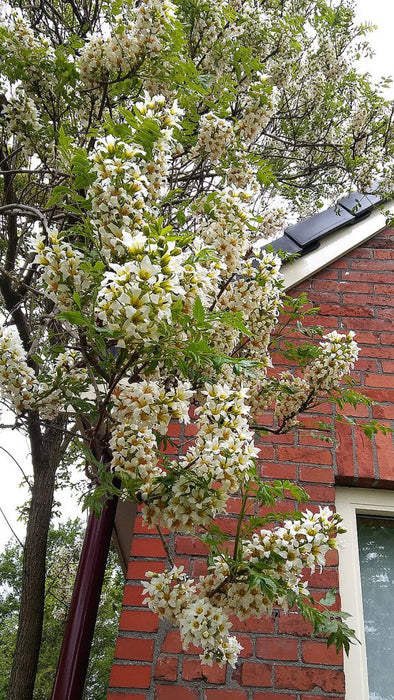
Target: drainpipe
{"x":77,"y":641}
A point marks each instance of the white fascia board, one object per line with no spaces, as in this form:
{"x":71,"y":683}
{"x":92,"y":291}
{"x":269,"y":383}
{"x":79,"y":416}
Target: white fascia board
{"x":335,"y":246}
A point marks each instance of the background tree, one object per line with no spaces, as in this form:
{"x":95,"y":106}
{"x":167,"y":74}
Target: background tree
{"x":64,"y":544}
{"x":145,"y":148}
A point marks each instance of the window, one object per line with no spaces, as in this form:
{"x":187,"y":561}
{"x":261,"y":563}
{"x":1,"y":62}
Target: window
{"x":366,"y":575}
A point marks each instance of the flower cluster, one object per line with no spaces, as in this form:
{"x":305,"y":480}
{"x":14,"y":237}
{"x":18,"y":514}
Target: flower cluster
{"x":336,"y":358}
{"x":35,"y":54}
{"x":215,"y":137}
{"x":290,"y":394}
{"x":173,"y":596}
{"x":136,"y":298}
{"x":139,"y":410}
{"x":169,"y":593}
{"x":258,"y":108}
{"x":224,"y":448}
{"x":60,"y":382}
{"x":228,"y":228}
{"x":62,"y":272}
{"x":18,"y":381}
{"x":128,"y":184}
{"x":23,"y":390}
{"x":222,"y":454}
{"x":201,"y":609}
{"x":21,"y":119}
{"x":257,"y":294}
{"x":119,"y":197}
{"x":128,"y":45}
{"x":300,"y":543}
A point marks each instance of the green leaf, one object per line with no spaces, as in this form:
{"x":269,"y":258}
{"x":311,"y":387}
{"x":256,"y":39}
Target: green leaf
{"x":76,"y":318}
{"x":198,"y":311}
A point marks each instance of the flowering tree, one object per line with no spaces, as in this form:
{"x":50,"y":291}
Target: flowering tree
{"x":147,"y":150}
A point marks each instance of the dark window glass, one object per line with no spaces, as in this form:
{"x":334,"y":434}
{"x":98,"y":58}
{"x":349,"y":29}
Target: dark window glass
{"x":376,"y":549}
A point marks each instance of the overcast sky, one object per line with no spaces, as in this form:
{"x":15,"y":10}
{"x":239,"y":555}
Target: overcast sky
{"x":378,"y":12}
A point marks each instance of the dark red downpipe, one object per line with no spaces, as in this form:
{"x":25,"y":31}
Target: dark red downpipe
{"x":77,"y":641}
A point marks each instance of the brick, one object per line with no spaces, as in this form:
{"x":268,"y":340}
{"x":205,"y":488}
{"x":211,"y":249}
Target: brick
{"x":320,"y":297}
{"x":134,"y":649}
{"x":370,"y":265}
{"x":332,"y":557}
{"x":175,"y":692}
{"x":193,"y":670}
{"x":381,"y":395}
{"x":126,"y":696}
{"x":314,"y":652}
{"x":277,"y":648}
{"x":366,"y":338}
{"x":362,"y":324}
{"x":327,"y":578}
{"x":380,"y":380}
{"x":190,"y":545}
{"x":360,"y":252}
{"x":174,"y":429}
{"x":320,"y":493}
{"x":365,"y":276}
{"x":304,"y":455}
{"x":246,"y":641}
{"x":313,"y":440}
{"x":344,"y":451}
{"x":256,"y":675}
{"x":339,"y":310}
{"x":292,"y":623}
{"x":141,"y":529}
{"x":383,"y":412}
{"x":369,"y":299}
{"x":167,"y":668}
{"x":218,"y":694}
{"x":172,"y":642}
{"x":138,"y":621}
{"x":364,"y":455}
{"x":343,"y":286}
{"x":147,"y":547}
{"x":367,"y":364}
{"x":264,"y":625}
{"x":227,"y":524}
{"x":327,"y":274}
{"x":133,"y":596}
{"x":317,"y":474}
{"x":273,"y":696}
{"x":234,"y":505}
{"x":279,"y":471}
{"x":321,"y":697}
{"x":309,"y":678}
{"x":384,"y":254}
{"x":387,"y":338}
{"x":130,"y":676}
{"x":138,"y":569}
{"x":266,"y":451}
{"x":385,"y":453}
{"x":385,"y":313}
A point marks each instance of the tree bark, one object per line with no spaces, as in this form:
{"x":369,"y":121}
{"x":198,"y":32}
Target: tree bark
{"x":46,"y":454}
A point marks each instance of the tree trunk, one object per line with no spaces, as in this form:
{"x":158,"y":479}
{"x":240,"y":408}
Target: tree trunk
{"x":46,"y":453}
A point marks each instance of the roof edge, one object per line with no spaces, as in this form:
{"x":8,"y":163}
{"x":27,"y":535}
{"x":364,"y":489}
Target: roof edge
{"x":335,"y":246}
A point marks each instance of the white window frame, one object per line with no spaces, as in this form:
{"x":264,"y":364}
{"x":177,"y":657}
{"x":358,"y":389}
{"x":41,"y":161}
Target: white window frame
{"x":351,"y":502}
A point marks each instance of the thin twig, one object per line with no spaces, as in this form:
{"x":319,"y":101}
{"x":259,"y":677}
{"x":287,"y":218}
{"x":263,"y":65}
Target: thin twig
{"x":165,"y":545}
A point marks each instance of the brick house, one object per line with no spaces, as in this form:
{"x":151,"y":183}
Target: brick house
{"x":346,"y":266}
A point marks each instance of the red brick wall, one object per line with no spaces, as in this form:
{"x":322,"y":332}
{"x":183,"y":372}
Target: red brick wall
{"x":279,"y":660}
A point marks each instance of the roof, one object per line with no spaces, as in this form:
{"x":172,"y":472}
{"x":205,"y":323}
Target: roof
{"x":323,"y":238}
